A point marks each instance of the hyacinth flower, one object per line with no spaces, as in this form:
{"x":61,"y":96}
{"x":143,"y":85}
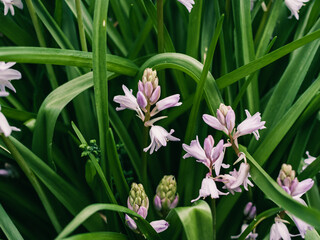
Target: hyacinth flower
{"x":6,"y":75}
{"x":290,"y":183}
{"x":279,"y":230}
{"x":308,"y":160}
{"x":250,"y":236}
{"x":138,"y":201}
{"x":5,"y":128}
{"x":147,"y":105}
{"x":294,"y":6}
{"x":8,"y":4}
{"x":187,"y":3}
{"x":166,"y":196}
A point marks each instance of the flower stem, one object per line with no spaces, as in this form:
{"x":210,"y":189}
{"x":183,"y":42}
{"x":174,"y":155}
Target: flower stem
{"x":34,"y":182}
{"x":214,"y":219}
{"x":81,"y":28}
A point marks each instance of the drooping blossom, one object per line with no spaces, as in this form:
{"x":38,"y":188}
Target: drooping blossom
{"x":5,"y":128}
{"x":294,"y":6}
{"x":6,"y":75}
{"x":235,"y":179}
{"x":187,"y":3}
{"x":250,"y":236}
{"x":168,"y":102}
{"x":279,"y":230}
{"x":8,"y":4}
{"x":308,"y":160}
{"x":208,"y":188}
{"x":128,"y":101}
{"x":138,"y":201}
{"x":159,"y":137}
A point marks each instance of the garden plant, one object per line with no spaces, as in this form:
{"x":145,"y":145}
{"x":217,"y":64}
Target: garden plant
{"x":159,"y":119}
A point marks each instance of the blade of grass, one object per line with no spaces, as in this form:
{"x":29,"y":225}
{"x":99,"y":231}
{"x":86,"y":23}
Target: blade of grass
{"x":8,"y":227}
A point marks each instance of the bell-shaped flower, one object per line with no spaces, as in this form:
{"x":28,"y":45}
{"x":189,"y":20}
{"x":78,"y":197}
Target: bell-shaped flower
{"x":159,"y":137}
{"x":187,"y":3}
{"x":302,"y":226}
{"x":5,"y":128}
{"x":279,"y":231}
{"x":168,"y":102}
{"x":210,"y":156}
{"x":294,"y":6}
{"x":308,"y":160}
{"x":250,"y":125}
{"x":8,"y":4}
{"x":159,"y":225}
{"x":224,"y":121}
{"x":6,"y":75}
{"x":250,"y":236}
{"x":129,"y":101}
{"x":208,"y":188}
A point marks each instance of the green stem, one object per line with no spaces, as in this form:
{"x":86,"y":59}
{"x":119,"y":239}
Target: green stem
{"x":42,"y":43}
{"x":81,"y":28}
{"x":214,"y":218}
{"x":144,"y":157}
{"x":34,"y":182}
{"x":160,"y":26}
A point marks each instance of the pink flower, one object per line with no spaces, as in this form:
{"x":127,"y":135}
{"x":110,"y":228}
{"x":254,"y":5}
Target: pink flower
{"x":5,"y":128}
{"x":128,"y":101}
{"x":251,"y":236}
{"x":308,"y":160}
{"x":210,"y":156}
{"x":279,"y":231}
{"x":208,"y":188}
{"x":159,"y":137}
{"x":160,"y":225}
{"x":6,"y":75}
{"x":187,"y":3}
{"x":168,"y":102}
{"x":250,"y":125}
{"x":294,"y":6}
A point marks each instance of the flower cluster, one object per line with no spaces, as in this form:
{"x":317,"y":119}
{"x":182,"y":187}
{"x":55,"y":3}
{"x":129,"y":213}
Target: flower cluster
{"x":289,"y":182}
{"x":138,"y":201}
{"x":148,"y":96}
{"x":8,"y":4}
{"x":212,"y":156}
{"x":6,"y":75}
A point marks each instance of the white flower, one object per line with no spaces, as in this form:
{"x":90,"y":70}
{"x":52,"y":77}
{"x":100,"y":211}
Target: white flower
{"x":128,"y":101}
{"x":8,"y":4}
{"x":308,"y":160}
{"x":251,"y":236}
{"x":159,"y":137}
{"x":5,"y":128}
{"x":187,"y":3}
{"x":208,"y":188}
{"x":294,"y":6}
{"x":6,"y":75}
{"x":279,"y":231}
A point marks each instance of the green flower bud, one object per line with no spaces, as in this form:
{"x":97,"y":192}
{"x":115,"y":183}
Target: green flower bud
{"x":150,"y":76}
{"x":137,"y":199}
{"x":166,"y":197}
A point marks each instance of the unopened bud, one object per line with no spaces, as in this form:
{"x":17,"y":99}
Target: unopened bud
{"x":138,"y":199}
{"x":224,"y":109}
{"x":150,"y":76}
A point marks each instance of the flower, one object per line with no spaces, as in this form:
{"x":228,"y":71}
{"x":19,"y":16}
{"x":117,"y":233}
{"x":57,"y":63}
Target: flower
{"x":8,"y":4}
{"x":224,"y":121}
{"x":6,"y":75}
{"x":308,"y":160}
{"x":128,"y":101}
{"x":168,"y":102}
{"x":208,"y":188}
{"x":250,"y":125}
{"x":5,"y":128}
{"x":187,"y":3}
{"x":250,"y":210}
{"x":251,"y":236}
{"x":210,"y":156}
{"x":235,"y":179}
{"x":294,"y":6}
{"x":160,"y":225}
{"x":166,"y":197}
{"x":279,"y":231}
{"x":159,"y":137}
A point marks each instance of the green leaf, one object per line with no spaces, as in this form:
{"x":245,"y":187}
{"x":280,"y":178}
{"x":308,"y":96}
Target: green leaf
{"x":312,"y":235}
{"x":196,"y":220}
{"x":143,"y":225}
{"x":311,"y":170}
{"x":98,"y":236}
{"x":8,"y":227}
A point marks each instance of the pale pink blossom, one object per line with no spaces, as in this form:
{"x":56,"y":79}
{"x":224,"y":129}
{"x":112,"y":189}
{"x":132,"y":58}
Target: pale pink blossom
{"x":159,"y":137}
{"x":168,"y":102}
{"x":294,"y":6}
{"x":210,"y":156}
{"x":279,"y":231}
{"x":187,"y":3}
{"x":208,"y":188}
{"x":8,"y":4}
{"x":6,"y":75}
{"x":159,"y":225}
{"x":5,"y":128}
{"x":128,"y":101}
{"x":250,"y":236}
{"x":308,"y":160}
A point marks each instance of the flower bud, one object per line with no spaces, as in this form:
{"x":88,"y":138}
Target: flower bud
{"x":286,"y":175}
{"x":150,"y":76}
{"x":138,"y":200}
{"x":166,"y":197}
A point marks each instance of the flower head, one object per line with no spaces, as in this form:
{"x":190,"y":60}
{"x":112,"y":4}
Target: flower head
{"x":5,"y":128}
{"x":187,"y":3}
{"x":166,"y":197}
{"x":209,"y":188}
{"x":6,"y":75}
{"x":8,"y":4}
{"x":294,"y":6}
{"x":279,"y":231}
{"x":159,"y":137}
